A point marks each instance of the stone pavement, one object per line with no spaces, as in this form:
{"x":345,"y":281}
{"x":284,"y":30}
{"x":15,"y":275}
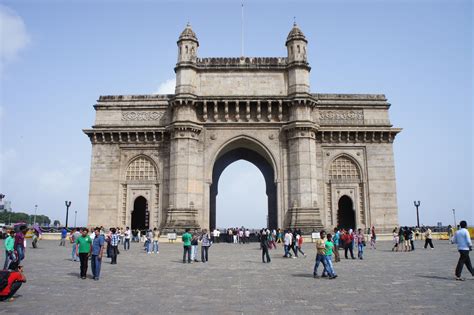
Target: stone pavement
{"x":236,"y":282}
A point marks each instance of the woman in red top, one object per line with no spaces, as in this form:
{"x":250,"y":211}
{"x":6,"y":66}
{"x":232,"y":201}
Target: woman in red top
{"x":15,"y":280}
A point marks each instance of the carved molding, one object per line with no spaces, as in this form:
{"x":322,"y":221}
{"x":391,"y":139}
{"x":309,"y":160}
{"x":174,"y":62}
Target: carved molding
{"x":341,"y":116}
{"x":141,"y":116}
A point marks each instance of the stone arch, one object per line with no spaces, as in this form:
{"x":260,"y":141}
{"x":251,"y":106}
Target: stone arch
{"x":251,"y":150}
{"x":141,"y":168}
{"x":140,"y":213}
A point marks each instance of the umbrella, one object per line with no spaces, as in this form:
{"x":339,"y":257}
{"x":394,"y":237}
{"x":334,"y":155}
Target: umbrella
{"x":19,"y":226}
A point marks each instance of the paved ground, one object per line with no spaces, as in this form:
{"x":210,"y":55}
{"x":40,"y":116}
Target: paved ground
{"x":236,"y":282}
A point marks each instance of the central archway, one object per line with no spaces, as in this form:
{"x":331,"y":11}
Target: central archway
{"x":252,"y":156}
{"x":346,"y":213}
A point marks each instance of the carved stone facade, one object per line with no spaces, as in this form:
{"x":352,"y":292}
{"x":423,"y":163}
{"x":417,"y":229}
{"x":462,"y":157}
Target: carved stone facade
{"x":327,"y":159}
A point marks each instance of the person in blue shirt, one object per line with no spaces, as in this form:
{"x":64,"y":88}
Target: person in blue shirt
{"x":336,"y":240}
{"x":97,"y":252}
{"x":464,"y":244}
{"x":63,"y":237}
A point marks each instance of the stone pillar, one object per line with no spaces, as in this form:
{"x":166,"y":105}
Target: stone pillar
{"x":186,"y":177}
{"x":303,"y":209}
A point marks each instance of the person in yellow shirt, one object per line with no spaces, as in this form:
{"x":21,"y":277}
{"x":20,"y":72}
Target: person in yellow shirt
{"x":321,"y":256}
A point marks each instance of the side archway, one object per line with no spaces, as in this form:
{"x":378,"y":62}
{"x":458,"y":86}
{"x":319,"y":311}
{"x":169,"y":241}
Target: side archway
{"x":346,"y":213}
{"x":140,"y":214}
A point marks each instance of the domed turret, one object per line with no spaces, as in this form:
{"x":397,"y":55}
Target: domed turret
{"x":187,"y":45}
{"x":296,"y":44}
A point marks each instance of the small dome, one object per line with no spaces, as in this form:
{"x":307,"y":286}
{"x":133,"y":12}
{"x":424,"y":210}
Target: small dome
{"x":188,"y":34}
{"x":295,"y":33}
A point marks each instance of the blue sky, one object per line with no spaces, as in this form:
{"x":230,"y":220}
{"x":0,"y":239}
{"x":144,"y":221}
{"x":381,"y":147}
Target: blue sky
{"x":57,"y":57}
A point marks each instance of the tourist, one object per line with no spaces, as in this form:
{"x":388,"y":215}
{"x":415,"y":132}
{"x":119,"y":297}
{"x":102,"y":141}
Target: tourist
{"x":329,"y":250}
{"x":62,"y":242}
{"x":205,"y":244}
{"x":406,"y":239}
{"x":194,"y":246}
{"x":336,"y":240}
{"x":229,"y":236}
{"x":97,"y":251}
{"x":186,"y":238}
{"x":293,"y":242}
{"x":264,"y":246}
{"x":287,"y":244}
{"x":279,"y":236}
{"x":126,"y":241}
{"x":299,"y":244}
{"x":395,"y":239}
{"x":148,"y":241}
{"x":114,"y":241}
{"x":464,"y":244}
{"x":75,"y":234}
{"x":235,"y":236}
{"x":35,"y":238}
{"x":428,"y":239}
{"x":15,"y":279}
{"x":247,"y":236}
{"x":135,"y":237}
{"x":214,"y":236}
{"x":218,"y":236}
{"x":417,"y":233}
{"x":411,"y":237}
{"x":360,"y":238}
{"x":321,"y":256}
{"x":156,"y":239}
{"x":9,"y":249}
{"x":347,"y":239}
{"x":20,"y":243}
{"x":83,"y":250}
{"x":241,"y":236}
{"x":373,"y":237}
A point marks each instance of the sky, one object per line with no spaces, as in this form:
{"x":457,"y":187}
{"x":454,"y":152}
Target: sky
{"x":57,"y":57}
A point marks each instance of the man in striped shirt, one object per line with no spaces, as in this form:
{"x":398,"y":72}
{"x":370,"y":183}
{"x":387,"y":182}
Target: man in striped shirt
{"x":114,"y":241}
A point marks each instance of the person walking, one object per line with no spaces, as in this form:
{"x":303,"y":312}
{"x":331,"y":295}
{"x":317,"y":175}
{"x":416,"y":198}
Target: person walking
{"x":114,"y":241}
{"x":336,"y":240}
{"x":287,"y":243}
{"x":83,"y":250}
{"x":72,"y":238}
{"x":62,"y":242}
{"x":126,"y":240}
{"x":321,"y":256}
{"x":264,"y":246}
{"x":299,"y":244}
{"x":186,"y":238}
{"x":20,"y":243}
{"x":98,"y":245}
{"x":464,"y":244}
{"x":428,"y":239}
{"x":9,"y":249}
{"x":156,"y":239}
{"x":360,"y":239}
{"x":347,"y":239}
{"x":373,"y":237}
{"x":205,"y":244}
{"x":329,"y":250}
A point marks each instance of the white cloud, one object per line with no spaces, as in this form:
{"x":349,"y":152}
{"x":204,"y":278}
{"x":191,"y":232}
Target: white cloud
{"x":13,"y":35}
{"x":166,"y":87}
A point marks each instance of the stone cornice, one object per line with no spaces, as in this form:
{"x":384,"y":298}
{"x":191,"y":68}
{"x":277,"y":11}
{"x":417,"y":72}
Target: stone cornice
{"x":124,"y":135}
{"x":385,"y":135}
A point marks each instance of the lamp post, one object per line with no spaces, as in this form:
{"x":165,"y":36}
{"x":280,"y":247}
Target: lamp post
{"x":75,"y":216}
{"x":454,"y":215}
{"x":417,"y":204}
{"x":68,"y":204}
{"x":36,"y":208}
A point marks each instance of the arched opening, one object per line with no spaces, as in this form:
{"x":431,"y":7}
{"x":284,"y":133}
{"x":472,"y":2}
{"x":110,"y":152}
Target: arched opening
{"x":243,"y":153}
{"x":140,"y":214}
{"x":242,"y":199}
{"x":346,"y":213}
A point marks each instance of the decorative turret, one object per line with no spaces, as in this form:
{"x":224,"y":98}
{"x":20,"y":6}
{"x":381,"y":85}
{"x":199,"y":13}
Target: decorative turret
{"x":296,"y":44}
{"x":187,"y":46}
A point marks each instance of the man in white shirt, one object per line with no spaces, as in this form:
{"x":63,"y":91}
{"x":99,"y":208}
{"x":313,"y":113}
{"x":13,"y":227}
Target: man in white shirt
{"x":127,"y":236}
{"x":464,"y":244}
{"x":287,"y":241}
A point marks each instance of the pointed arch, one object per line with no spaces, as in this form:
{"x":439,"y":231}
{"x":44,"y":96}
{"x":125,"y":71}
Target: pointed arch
{"x":141,"y":168}
{"x":345,"y":168}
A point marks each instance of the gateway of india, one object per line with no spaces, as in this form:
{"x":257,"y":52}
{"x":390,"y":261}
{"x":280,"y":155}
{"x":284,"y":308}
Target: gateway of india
{"x":327,"y":159}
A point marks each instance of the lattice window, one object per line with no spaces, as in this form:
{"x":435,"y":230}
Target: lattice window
{"x":141,"y":169}
{"x":345,"y":169}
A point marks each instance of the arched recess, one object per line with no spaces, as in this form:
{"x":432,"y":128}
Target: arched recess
{"x":346,"y":213}
{"x":141,"y":178}
{"x":248,"y":149}
{"x":140,"y":214}
{"x":345,"y":176}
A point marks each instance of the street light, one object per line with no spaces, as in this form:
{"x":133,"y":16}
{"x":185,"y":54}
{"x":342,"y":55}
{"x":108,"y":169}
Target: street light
{"x":417,"y":204}
{"x":454,"y":215}
{"x":75,"y":216}
{"x":36,"y":208}
{"x":68,"y":204}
